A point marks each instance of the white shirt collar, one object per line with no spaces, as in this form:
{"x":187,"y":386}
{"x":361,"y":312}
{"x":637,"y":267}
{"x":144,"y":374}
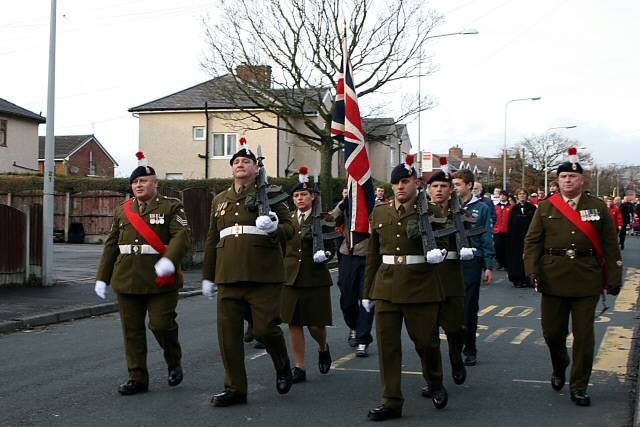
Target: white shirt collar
{"x":306,"y":214}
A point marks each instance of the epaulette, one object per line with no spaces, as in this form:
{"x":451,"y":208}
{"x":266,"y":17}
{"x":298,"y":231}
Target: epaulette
{"x":175,"y":199}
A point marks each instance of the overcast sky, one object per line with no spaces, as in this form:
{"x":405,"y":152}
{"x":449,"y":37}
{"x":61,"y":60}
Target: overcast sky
{"x":580,"y":56}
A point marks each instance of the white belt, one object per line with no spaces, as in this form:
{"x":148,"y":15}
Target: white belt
{"x":403,"y":259}
{"x":138,"y":249}
{"x":237,"y":230}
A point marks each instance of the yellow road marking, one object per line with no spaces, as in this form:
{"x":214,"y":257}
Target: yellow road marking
{"x":626,"y":300}
{"x":614,"y":351}
{"x":495,"y":334}
{"x":487,"y":310}
{"x":343,"y":360}
{"x":524,"y":312}
{"x":534,"y":381}
{"x":521,"y":336}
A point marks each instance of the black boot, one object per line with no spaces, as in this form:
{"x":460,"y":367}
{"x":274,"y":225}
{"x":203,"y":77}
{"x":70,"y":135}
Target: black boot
{"x":284,"y":379}
{"x":175,"y":376}
{"x":580,"y":398}
{"x":298,"y":375}
{"x":132,"y":387}
{"x":228,"y":398}
{"x":440,"y":398}
{"x":383,"y":412}
{"x":324,"y":360}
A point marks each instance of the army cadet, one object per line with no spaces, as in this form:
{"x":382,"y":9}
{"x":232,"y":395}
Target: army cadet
{"x":306,"y":296}
{"x":451,"y":316}
{"x":149,"y":232}
{"x":403,"y":286}
{"x":243,"y":257}
{"x":572,"y":256}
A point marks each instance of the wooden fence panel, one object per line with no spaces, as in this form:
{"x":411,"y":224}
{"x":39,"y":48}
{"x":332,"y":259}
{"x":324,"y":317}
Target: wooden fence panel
{"x":12,"y":245}
{"x":197,"y":205}
{"x":35,"y":239}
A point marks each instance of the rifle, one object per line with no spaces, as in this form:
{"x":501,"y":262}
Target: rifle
{"x":427,"y":234}
{"x":318,"y":222}
{"x":262,"y":183}
{"x":459,"y":218}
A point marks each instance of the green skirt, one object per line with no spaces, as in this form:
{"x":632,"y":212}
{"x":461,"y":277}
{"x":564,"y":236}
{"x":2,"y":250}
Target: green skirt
{"x":306,"y":306}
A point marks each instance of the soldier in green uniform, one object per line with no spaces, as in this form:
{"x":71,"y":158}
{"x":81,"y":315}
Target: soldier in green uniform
{"x":451,"y":316}
{"x":131,"y":254}
{"x":571,"y":254}
{"x":403,"y":287}
{"x":306,"y":296}
{"x":243,"y":257}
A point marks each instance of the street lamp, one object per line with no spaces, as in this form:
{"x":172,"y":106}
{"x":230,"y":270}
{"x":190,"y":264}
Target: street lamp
{"x":504,"y":153}
{"x":546,"y":171}
{"x":465,"y":32}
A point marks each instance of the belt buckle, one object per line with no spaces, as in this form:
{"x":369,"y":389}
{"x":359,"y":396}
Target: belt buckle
{"x":136,"y":249}
{"x":237,"y":230}
{"x":571,"y":253}
{"x":400,"y":259}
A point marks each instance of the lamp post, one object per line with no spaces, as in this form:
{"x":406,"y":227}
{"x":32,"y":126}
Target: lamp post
{"x":465,"y":32}
{"x":504,"y":150}
{"x":546,"y":149}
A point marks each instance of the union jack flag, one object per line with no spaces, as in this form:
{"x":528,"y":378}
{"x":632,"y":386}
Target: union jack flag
{"x":346,"y":128}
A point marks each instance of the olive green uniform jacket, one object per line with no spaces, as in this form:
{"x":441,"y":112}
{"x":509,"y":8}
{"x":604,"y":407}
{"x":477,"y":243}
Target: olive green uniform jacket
{"x":247,"y":257}
{"x":134,"y":273}
{"x":413,"y":283}
{"x":562,"y":275}
{"x":450,"y":269}
{"x":300,"y":268}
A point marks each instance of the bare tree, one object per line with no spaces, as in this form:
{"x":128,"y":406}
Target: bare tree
{"x":301,"y":42}
{"x":550,"y":150}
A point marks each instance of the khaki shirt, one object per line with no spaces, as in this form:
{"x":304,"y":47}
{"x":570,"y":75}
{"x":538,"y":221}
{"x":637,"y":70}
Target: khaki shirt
{"x":246,"y":257}
{"x":414,"y":283}
{"x":562,"y":275}
{"x":135,"y":273}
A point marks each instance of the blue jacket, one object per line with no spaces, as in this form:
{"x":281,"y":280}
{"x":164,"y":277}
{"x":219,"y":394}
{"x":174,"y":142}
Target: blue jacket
{"x":484,"y":242}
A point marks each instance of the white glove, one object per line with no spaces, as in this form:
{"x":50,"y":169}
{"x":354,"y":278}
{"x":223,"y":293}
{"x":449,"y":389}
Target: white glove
{"x":209,"y":288}
{"x":164,"y":267}
{"x":436,"y":256}
{"x":268,"y":223}
{"x":367,"y":304}
{"x":467,"y":253}
{"x":101,"y":289}
{"x":321,"y":256}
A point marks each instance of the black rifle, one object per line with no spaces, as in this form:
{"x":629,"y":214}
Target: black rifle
{"x":262,"y":183}
{"x":427,"y":234}
{"x":318,"y":222}
{"x":459,"y":218}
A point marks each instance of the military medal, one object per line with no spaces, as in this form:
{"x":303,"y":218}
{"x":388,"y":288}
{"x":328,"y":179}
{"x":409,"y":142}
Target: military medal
{"x":160,"y":218}
{"x":152,"y":219}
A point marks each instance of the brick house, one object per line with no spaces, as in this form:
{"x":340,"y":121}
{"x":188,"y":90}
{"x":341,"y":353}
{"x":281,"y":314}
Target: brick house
{"x":18,"y":138}
{"x":79,"y":155}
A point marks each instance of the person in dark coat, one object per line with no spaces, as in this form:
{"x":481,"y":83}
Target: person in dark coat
{"x":519,"y":220}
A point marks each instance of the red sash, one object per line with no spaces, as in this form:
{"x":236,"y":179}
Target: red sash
{"x":585,"y":226}
{"x":151,"y":237}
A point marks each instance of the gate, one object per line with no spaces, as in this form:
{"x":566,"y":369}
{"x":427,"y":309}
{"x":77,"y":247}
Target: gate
{"x":13,"y":228}
{"x":197,"y":206}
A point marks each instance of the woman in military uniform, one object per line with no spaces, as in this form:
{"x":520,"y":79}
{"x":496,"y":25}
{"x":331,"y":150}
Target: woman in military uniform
{"x":306,"y":296}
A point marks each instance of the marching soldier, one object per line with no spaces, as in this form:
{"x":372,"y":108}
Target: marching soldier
{"x":141,"y":260}
{"x":451,"y":316}
{"x":403,"y":287}
{"x":572,"y":256}
{"x":243,"y":257}
{"x":306,"y":296}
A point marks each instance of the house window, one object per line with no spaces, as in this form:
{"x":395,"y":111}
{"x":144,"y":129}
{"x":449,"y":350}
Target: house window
{"x":3,"y":133}
{"x":224,"y":145}
{"x":171,"y":176}
{"x":198,"y":133}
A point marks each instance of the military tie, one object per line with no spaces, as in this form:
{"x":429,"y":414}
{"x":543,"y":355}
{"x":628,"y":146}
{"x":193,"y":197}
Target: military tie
{"x":141,"y":207}
{"x":572,"y":203}
{"x":300,"y":218}
{"x":401,"y":210}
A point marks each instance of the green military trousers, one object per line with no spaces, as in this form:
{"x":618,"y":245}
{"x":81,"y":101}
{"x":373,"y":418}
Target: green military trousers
{"x":162,"y":322}
{"x":451,"y":318}
{"x":555,"y":328}
{"x":264,"y":301}
{"x":422,"y":325}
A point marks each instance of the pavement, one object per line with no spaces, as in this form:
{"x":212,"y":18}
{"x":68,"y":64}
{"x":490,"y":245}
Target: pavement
{"x":509,"y":386}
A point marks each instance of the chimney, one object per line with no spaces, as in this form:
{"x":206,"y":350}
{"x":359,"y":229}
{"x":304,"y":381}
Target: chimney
{"x":474,"y":156}
{"x":455,"y":152}
{"x":260,"y":74}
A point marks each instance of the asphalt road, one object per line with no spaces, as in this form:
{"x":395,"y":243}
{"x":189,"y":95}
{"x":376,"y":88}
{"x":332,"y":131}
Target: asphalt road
{"x":67,"y":374}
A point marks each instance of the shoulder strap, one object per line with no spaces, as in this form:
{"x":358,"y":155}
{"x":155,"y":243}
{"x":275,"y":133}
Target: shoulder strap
{"x":586,"y":227}
{"x":143,"y":228}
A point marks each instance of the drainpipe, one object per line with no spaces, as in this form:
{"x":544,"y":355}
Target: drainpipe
{"x":206,"y":148}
